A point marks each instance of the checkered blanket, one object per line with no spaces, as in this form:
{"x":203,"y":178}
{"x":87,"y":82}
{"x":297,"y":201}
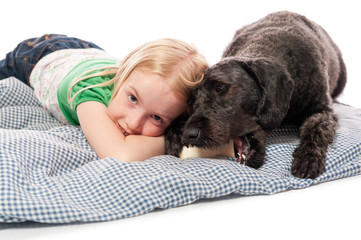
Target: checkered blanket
{"x":49,"y":173}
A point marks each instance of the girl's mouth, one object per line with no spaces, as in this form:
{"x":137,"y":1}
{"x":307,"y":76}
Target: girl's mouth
{"x":122,"y":129}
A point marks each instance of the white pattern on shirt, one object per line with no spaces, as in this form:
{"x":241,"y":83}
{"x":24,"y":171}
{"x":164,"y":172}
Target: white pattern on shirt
{"x":51,"y":70}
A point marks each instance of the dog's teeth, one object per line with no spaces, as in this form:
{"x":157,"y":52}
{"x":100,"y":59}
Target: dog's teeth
{"x":241,"y":158}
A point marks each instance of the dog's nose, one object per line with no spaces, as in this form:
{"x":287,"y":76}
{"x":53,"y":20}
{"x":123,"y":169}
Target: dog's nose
{"x":191,"y":133}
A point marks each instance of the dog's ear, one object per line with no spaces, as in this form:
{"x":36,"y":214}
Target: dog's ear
{"x":276,"y":88}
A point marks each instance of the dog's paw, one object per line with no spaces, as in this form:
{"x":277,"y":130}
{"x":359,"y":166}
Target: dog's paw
{"x":308,"y":161}
{"x":255,"y":160}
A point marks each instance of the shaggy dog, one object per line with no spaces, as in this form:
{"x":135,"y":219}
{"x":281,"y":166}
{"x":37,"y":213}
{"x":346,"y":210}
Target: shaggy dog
{"x":281,"y":69}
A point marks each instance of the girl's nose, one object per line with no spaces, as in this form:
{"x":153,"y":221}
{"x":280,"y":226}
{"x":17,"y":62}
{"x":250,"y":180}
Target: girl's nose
{"x":135,"y":124}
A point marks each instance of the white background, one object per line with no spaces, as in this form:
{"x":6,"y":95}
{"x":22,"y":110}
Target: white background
{"x":326,"y":210}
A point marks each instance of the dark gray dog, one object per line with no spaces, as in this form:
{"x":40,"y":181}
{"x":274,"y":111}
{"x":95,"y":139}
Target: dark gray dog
{"x":281,"y":69}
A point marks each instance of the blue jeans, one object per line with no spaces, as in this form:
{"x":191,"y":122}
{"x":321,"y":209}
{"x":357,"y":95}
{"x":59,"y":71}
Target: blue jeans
{"x":21,"y":61}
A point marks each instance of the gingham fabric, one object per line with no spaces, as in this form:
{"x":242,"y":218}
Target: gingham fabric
{"x":49,"y":173}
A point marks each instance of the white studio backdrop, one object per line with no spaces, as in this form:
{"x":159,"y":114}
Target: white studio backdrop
{"x":119,"y":26}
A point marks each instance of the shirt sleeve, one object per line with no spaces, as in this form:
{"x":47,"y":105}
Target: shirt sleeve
{"x":99,"y":94}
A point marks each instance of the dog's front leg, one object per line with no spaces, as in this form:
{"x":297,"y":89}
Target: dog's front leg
{"x":316,"y":133}
{"x":257,"y":148}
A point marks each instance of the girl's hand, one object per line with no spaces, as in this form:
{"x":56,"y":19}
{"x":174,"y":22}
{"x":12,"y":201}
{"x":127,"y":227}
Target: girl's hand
{"x":108,"y":141}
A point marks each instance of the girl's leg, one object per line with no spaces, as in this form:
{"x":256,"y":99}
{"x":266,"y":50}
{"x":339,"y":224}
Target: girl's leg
{"x":21,"y":61}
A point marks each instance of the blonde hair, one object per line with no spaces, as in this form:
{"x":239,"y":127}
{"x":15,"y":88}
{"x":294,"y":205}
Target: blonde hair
{"x":171,"y":58}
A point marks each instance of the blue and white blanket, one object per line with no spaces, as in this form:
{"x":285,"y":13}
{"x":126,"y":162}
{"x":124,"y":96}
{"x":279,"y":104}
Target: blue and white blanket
{"x":49,"y":173}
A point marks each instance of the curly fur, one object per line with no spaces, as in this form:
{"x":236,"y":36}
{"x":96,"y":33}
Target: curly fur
{"x":281,"y":69}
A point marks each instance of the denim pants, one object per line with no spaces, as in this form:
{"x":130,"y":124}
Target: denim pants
{"x":21,"y":61}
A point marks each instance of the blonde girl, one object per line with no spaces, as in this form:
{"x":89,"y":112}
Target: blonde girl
{"x":123,"y":107}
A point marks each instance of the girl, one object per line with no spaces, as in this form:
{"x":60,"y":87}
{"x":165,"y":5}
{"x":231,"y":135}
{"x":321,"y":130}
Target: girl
{"x":122,"y":107}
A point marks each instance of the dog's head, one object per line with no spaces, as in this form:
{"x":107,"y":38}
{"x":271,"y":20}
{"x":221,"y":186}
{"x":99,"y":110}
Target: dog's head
{"x":236,"y":97}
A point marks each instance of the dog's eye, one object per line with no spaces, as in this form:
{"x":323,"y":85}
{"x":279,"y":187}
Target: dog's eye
{"x":220,"y":87}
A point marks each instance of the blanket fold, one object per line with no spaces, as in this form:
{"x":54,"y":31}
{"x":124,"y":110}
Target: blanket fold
{"x":50,"y":174}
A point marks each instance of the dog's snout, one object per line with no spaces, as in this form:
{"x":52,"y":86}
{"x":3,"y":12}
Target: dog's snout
{"x":191,"y":133}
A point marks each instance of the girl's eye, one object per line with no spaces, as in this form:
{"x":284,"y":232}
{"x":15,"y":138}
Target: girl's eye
{"x":157,"y":118}
{"x":133,"y":99}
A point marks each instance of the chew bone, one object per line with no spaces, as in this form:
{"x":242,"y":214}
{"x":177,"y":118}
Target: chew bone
{"x":226,"y":150}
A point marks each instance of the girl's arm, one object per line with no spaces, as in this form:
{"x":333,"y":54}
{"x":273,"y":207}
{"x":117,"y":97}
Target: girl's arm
{"x":108,"y":141}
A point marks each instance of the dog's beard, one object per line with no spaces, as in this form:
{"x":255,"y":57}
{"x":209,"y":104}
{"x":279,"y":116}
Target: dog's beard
{"x":209,"y":136}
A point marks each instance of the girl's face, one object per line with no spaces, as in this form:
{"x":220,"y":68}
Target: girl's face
{"x":145,"y":105}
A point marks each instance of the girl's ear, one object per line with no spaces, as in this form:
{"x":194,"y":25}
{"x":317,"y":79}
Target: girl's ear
{"x":276,"y":91}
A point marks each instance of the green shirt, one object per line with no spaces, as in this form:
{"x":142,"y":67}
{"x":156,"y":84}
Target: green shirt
{"x":99,"y":94}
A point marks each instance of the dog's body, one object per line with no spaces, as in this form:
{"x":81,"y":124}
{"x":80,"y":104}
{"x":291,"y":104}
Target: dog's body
{"x":283,"y":68}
